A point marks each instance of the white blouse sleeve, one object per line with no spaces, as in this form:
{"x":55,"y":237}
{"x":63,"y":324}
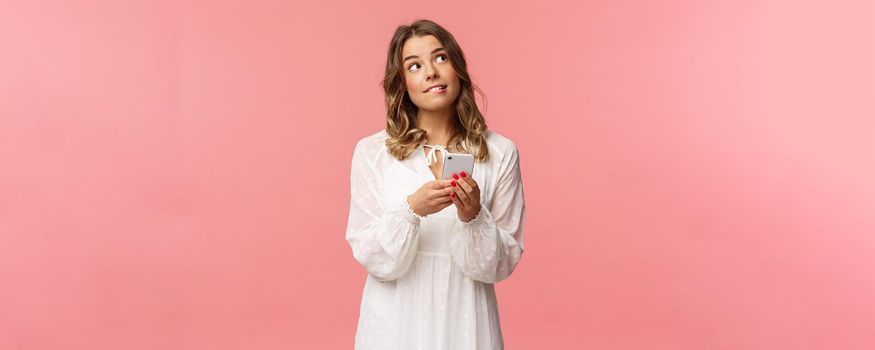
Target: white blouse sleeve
{"x":383,"y":240}
{"x":490,"y":246}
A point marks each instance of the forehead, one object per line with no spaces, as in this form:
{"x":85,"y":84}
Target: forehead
{"x":420,"y":46}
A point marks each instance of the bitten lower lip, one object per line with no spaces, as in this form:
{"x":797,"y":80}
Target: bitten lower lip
{"x":440,"y":91}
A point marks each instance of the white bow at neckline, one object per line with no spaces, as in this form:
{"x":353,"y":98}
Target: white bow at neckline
{"x":431,"y":157}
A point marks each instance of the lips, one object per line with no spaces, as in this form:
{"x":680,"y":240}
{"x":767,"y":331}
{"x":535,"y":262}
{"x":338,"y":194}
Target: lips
{"x":437,"y":87}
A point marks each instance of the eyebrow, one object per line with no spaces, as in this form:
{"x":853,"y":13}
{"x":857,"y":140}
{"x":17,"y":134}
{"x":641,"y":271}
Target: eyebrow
{"x":414,"y":56}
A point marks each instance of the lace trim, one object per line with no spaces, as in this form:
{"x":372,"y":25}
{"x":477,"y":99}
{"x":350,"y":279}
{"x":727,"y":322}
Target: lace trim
{"x":479,"y":219}
{"x":409,"y":213}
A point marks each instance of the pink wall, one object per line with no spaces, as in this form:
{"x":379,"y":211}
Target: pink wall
{"x":699,"y":175}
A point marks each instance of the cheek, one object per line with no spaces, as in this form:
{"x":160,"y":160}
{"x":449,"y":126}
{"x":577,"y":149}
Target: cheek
{"x":452,"y":77}
{"x":451,"y":74}
{"x":410,"y":82}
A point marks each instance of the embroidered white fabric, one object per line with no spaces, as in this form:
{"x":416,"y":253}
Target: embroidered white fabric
{"x":430,"y":282}
{"x":411,"y":215}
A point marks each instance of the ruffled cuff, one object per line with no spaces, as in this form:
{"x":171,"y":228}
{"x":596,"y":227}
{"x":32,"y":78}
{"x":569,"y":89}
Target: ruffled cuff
{"x":409,"y":214}
{"x":477,"y":221}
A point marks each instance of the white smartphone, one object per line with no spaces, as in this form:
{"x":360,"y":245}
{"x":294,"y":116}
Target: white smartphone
{"x":457,"y":162}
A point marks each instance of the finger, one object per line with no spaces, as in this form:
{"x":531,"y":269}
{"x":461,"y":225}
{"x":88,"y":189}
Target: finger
{"x":443,"y":200}
{"x":444,"y":192}
{"x":439,"y":188}
{"x":459,"y":178}
{"x":459,"y":192}
{"x":470,"y":182}
{"x":450,"y":189}
{"x":465,"y":186}
{"x":456,"y":200}
{"x":453,"y":201}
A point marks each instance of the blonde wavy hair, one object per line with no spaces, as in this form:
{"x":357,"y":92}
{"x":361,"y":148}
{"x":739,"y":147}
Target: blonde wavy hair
{"x":469,"y":124}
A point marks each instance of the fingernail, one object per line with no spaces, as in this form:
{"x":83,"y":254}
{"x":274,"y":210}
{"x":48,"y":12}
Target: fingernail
{"x":464,"y":175}
{"x":453,"y":195}
{"x":455,"y":176}
{"x":453,"y":183}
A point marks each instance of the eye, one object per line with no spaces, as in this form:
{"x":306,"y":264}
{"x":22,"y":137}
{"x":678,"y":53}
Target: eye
{"x":445,"y":58}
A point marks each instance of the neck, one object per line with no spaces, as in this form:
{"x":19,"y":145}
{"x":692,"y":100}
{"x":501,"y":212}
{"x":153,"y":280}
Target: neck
{"x":438,"y":125}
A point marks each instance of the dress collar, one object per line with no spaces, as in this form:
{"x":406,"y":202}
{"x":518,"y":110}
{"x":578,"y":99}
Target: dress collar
{"x":432,"y":157}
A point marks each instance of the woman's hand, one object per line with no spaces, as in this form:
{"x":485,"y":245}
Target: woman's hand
{"x":466,"y":196}
{"x":431,"y":198}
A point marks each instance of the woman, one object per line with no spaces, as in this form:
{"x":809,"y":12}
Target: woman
{"x":431,"y":269}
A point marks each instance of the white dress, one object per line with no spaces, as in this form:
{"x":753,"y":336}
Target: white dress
{"x":430,"y":279}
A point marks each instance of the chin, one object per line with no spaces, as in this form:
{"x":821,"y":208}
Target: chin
{"x":440,"y":107}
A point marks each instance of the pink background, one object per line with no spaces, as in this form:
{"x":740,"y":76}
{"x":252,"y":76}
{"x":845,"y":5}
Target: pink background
{"x":699,"y":175}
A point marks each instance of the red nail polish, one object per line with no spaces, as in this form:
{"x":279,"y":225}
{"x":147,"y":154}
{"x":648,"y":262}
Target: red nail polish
{"x":455,"y":176}
{"x":453,"y":183}
{"x":453,"y":195}
{"x":464,"y":175}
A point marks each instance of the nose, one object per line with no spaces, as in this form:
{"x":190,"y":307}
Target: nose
{"x":430,"y":72}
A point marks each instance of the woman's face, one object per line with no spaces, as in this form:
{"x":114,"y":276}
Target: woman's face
{"x":425,"y":64}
